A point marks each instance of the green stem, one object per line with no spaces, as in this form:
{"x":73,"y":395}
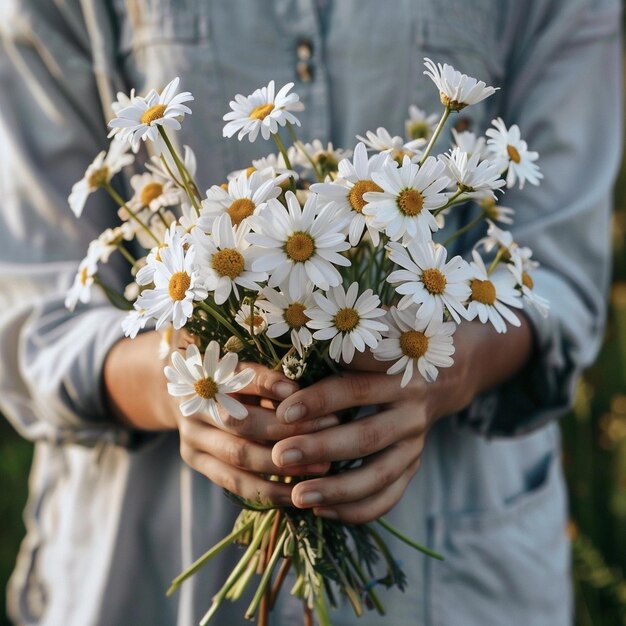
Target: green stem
{"x":181,"y":169}
{"x":464,"y":229}
{"x":240,"y":567}
{"x":370,"y":592}
{"x":126,"y":254}
{"x":120,"y":201}
{"x":298,"y":144}
{"x":496,"y":260}
{"x":281,"y":148}
{"x":267,"y":575}
{"x":207,"y":556}
{"x":396,"y":533}
{"x":436,"y":134}
{"x":222,"y":320}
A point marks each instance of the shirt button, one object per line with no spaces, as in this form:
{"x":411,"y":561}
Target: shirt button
{"x":304,"y":71}
{"x":304,"y":49}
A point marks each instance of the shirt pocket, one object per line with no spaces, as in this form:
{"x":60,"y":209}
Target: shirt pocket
{"x":509,"y":566}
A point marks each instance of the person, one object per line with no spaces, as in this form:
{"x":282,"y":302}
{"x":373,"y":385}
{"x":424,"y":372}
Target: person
{"x":114,"y":512}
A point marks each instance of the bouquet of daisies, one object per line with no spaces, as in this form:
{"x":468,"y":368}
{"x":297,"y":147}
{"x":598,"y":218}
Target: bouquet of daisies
{"x":301,"y":260}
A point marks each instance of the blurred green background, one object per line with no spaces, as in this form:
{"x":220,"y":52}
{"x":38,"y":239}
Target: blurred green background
{"x":594,"y":458}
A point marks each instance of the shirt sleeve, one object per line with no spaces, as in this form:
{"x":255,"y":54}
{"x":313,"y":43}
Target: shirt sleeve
{"x":51,"y":128}
{"x":564,"y":91}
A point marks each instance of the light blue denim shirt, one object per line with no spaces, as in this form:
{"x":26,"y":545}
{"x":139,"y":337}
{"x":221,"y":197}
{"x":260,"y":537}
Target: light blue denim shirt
{"x":113,"y":516}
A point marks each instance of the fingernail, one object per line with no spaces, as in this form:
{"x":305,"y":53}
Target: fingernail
{"x":327,"y":513}
{"x":289,"y":457}
{"x":295,"y":412}
{"x":328,"y":422}
{"x":310,"y":497}
{"x":284,"y":390}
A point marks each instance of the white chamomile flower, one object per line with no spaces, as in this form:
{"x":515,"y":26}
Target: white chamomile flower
{"x":526,"y":285}
{"x":456,"y":90}
{"x":108,"y":242}
{"x":512,"y":154}
{"x":227,"y":258}
{"x":346,"y":193}
{"x":473,"y":177}
{"x":154,"y":192}
{"x":497,"y":239}
{"x":429,"y":281}
{"x":245,"y":196}
{"x":495,"y":212}
{"x":99,"y":174}
{"x":492,"y":295}
{"x":325,"y":157}
{"x":347,"y":320}
{"x":396,"y":147}
{"x":420,"y":126}
{"x":286,"y":314}
{"x":293,"y":366}
{"x":262,"y":112}
{"x":252,"y":318}
{"x":468,"y":142}
{"x":134,"y":322}
{"x":122,"y":102}
{"x":142,"y":118}
{"x":409,"y":194}
{"x":299,"y":244}
{"x":208,"y":381}
{"x":168,"y":171}
{"x":176,"y":285}
{"x":80,"y":291}
{"x":416,"y":342}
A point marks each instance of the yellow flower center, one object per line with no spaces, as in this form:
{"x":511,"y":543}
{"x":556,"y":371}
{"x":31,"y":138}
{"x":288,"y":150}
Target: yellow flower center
{"x":483,"y":291}
{"x":150,"y":192}
{"x":527,"y":281}
{"x":434,"y":281}
{"x":418,"y":130}
{"x":228,"y":262}
{"x":240,"y":209}
{"x":262,"y":111}
{"x":453,"y":105}
{"x":398,"y":155}
{"x":295,"y":316}
{"x":410,"y":202}
{"x":153,"y":114}
{"x":99,"y":178}
{"x":250,"y":170}
{"x":300,"y":247}
{"x":326,"y":162}
{"x":488,"y":205}
{"x":206,"y":388}
{"x":84,"y":276}
{"x":413,"y":344}
{"x":514,"y":155}
{"x":346,"y":320}
{"x":356,"y":193}
{"x":254,"y":320}
{"x":178,"y":285}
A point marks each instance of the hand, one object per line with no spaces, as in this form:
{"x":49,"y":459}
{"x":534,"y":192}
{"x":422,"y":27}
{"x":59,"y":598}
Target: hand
{"x":392,"y":439}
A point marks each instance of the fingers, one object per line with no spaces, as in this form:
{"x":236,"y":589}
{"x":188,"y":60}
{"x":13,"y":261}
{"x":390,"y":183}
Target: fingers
{"x":354,"y":440}
{"x":373,"y":507}
{"x":377,"y":474}
{"x":335,"y":393}
{"x":236,"y":480}
{"x":268,"y":383}
{"x":197,"y":436}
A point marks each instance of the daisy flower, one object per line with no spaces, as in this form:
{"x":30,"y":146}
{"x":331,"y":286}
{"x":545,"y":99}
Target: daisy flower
{"x":168,"y":171}
{"x":286,"y":314}
{"x":526,"y":286}
{"x":99,"y":174}
{"x":396,"y":147}
{"x":133,"y":322}
{"x":122,"y":102}
{"x":262,"y":112}
{"x":512,"y":154}
{"x":108,"y":242}
{"x":470,"y":143}
{"x":409,"y":194}
{"x":497,"y":239}
{"x":472,"y":177}
{"x":208,"y":381}
{"x":245,"y":196}
{"x":325,"y":157}
{"x":251,"y":317}
{"x":492,"y":295}
{"x":456,"y":90}
{"x":495,"y":212}
{"x":154,"y":192}
{"x":80,"y":291}
{"x":346,"y":193}
{"x":300,"y":244}
{"x":142,"y":118}
{"x":347,"y":320}
{"x":227,"y":258}
{"x":177,"y":285}
{"x":420,"y":126}
{"x":429,"y":281}
{"x":415,"y":342}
